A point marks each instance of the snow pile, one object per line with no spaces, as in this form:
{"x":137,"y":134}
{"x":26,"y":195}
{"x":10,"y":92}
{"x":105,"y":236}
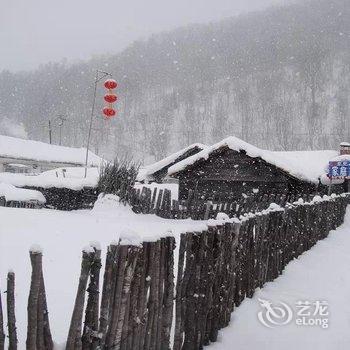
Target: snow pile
{"x":304,"y":165}
{"x":146,"y":173}
{"x":11,"y":147}
{"x":12,"y":193}
{"x":72,"y":178}
{"x":108,"y":202}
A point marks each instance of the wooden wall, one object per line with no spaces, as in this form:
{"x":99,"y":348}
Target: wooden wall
{"x":230,"y":174}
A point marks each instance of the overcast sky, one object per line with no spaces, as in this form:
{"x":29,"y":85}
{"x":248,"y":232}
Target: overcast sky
{"x":39,"y":31}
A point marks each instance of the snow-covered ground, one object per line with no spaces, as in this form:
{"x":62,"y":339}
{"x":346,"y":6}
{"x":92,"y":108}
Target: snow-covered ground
{"x":62,"y":235}
{"x":321,"y":274}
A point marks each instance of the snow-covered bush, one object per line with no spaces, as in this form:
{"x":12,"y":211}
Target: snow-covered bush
{"x":118,"y":178}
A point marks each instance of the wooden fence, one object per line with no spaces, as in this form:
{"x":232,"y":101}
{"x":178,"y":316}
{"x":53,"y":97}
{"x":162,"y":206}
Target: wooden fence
{"x":216,"y":270}
{"x":160,"y":202}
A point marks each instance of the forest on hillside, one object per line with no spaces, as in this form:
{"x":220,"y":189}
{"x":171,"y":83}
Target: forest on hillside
{"x":278,"y":78}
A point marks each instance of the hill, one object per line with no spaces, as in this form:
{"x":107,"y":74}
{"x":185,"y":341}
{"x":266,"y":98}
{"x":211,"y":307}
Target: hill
{"x":279,"y":78}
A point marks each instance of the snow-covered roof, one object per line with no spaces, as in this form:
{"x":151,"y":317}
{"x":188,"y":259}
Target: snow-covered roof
{"x":72,"y":178}
{"x":304,"y":165}
{"x":12,"y":193}
{"x":15,"y":148}
{"x":148,"y":171}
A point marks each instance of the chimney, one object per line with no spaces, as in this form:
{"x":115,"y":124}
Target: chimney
{"x":344,"y":148}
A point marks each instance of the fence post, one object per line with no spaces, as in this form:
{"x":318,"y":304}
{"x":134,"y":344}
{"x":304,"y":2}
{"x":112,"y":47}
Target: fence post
{"x":2,"y":334}
{"x":106,"y":294}
{"x":11,"y":318}
{"x":35,"y":336}
{"x":74,"y":334}
{"x":90,"y":333}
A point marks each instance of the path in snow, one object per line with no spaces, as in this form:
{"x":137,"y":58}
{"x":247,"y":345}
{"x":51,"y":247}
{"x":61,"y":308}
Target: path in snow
{"x":322,"y":273}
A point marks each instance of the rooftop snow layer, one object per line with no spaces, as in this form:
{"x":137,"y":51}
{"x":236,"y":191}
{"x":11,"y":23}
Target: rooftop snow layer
{"x":304,"y":165}
{"x":72,"y":178}
{"x":149,"y":170}
{"x":12,"y":193}
{"x":11,"y":147}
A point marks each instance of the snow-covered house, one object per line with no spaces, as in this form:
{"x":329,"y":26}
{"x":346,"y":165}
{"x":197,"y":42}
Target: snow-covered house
{"x":233,"y":168}
{"x":18,"y":155}
{"x":157,"y":172}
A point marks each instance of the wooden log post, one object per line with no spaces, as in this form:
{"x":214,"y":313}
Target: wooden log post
{"x":11,"y":317}
{"x":168,"y":293}
{"x":106,"y":293}
{"x":143,"y":308}
{"x":74,"y":334}
{"x":35,"y":329}
{"x":90,"y":338}
{"x":131,"y":261}
{"x":2,"y":333}
{"x":116,"y":294}
{"x":178,"y":337}
{"x":43,"y":310}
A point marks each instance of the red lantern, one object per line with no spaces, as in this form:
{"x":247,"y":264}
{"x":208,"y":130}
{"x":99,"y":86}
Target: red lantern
{"x":109,"y":112}
{"x":110,"y":98}
{"x":110,"y":84}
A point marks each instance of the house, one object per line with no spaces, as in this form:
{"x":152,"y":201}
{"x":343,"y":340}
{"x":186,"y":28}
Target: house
{"x":27,"y":156}
{"x":157,"y":172}
{"x":233,"y":168}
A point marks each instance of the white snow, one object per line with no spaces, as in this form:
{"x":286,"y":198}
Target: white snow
{"x":321,"y":274}
{"x":71,"y":177}
{"x":146,"y":173}
{"x":305,"y":165}
{"x":62,"y":236}
{"x":12,"y":147}
{"x":12,"y":193}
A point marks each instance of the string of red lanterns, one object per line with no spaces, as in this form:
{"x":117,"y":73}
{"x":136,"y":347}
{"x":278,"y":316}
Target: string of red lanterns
{"x":110,"y":98}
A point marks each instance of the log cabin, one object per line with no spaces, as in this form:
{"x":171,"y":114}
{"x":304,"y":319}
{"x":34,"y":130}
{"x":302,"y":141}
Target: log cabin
{"x":158,"y":171}
{"x":233,"y":168}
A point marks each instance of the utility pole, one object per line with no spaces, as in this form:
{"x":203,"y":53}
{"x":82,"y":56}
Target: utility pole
{"x":50,"y":132}
{"x":62,"y":118}
{"x":98,"y":77}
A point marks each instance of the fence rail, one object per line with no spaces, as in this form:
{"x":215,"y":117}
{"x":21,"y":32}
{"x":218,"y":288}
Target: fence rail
{"x":216,"y":270}
{"x":160,"y":202}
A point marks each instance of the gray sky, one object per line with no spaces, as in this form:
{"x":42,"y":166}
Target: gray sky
{"x":39,"y":31}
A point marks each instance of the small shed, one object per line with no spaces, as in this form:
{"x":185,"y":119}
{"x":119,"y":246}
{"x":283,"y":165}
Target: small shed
{"x":28,"y":156}
{"x":158,"y":171}
{"x":233,"y":168}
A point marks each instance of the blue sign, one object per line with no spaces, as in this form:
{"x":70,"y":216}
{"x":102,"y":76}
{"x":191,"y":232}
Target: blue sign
{"x":339,"y":169}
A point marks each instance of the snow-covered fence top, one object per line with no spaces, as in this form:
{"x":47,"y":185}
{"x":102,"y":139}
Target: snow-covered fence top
{"x":215,"y":270}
